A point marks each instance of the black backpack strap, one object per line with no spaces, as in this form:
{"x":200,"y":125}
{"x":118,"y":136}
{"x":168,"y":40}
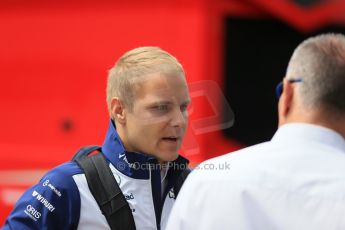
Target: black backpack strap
{"x":180,"y":180}
{"x":106,"y":192}
{"x":84,"y":151}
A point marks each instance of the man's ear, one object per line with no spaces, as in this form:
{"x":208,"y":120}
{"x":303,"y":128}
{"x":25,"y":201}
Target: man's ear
{"x":285,"y":102}
{"x":117,"y":110}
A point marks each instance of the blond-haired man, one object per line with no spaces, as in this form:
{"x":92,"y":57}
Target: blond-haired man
{"x":147,"y":99}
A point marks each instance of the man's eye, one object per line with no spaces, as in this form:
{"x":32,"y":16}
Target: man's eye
{"x":183,"y":107}
{"x":161,"y":107}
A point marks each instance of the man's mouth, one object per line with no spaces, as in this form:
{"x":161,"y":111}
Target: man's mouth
{"x":171,"y":138}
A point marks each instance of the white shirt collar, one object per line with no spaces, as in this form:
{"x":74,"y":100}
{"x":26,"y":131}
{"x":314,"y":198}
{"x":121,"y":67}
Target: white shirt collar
{"x":293,"y":132}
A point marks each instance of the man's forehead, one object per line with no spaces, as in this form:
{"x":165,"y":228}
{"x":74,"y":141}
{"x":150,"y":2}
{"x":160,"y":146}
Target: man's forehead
{"x":161,"y":85}
{"x":164,"y":96}
{"x":164,"y":80}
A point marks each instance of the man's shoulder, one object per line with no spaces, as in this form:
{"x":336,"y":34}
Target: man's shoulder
{"x":59,"y":180}
{"x":241,"y":154}
{"x":63,"y":173}
{"x":66,"y":169}
{"x":233,"y":164}
{"x":54,"y":202}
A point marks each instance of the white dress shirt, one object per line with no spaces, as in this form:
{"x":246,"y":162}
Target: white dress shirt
{"x":294,"y":181}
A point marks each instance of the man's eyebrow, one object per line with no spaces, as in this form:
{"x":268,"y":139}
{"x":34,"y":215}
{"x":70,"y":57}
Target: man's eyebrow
{"x":162,"y":102}
{"x":167,"y":102}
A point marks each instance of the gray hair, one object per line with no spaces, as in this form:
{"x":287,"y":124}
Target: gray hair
{"x":320,"y":62}
{"x":133,"y":66}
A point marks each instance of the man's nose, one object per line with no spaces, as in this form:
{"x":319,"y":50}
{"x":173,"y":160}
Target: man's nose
{"x":179,"y":118}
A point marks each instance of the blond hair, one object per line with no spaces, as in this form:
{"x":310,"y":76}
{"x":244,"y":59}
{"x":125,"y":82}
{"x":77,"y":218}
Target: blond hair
{"x":133,"y":66}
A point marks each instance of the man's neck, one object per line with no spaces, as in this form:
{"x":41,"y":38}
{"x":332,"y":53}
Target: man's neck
{"x":324,"y":119}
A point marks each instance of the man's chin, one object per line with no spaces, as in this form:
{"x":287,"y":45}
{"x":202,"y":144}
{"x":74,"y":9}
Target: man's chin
{"x":169,"y":157}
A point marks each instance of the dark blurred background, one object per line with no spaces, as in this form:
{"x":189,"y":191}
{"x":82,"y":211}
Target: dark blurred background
{"x":55,"y":57}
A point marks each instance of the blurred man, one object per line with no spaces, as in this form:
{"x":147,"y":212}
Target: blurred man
{"x":295,"y":181}
{"x":147,"y":98}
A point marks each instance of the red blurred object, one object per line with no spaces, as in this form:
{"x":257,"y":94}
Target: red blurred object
{"x":54,"y":61}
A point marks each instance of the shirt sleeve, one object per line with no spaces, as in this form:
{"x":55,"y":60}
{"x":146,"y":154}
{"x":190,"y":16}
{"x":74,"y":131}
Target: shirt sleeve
{"x":52,"y":203}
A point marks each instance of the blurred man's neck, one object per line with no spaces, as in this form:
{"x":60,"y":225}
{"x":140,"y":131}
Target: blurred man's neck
{"x":317,"y":117}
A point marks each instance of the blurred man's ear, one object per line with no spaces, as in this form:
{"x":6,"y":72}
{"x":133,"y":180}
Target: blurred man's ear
{"x":285,"y":102}
{"x":117,"y":110}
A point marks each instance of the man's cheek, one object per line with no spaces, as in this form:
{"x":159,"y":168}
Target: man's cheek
{"x":155,"y":120}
